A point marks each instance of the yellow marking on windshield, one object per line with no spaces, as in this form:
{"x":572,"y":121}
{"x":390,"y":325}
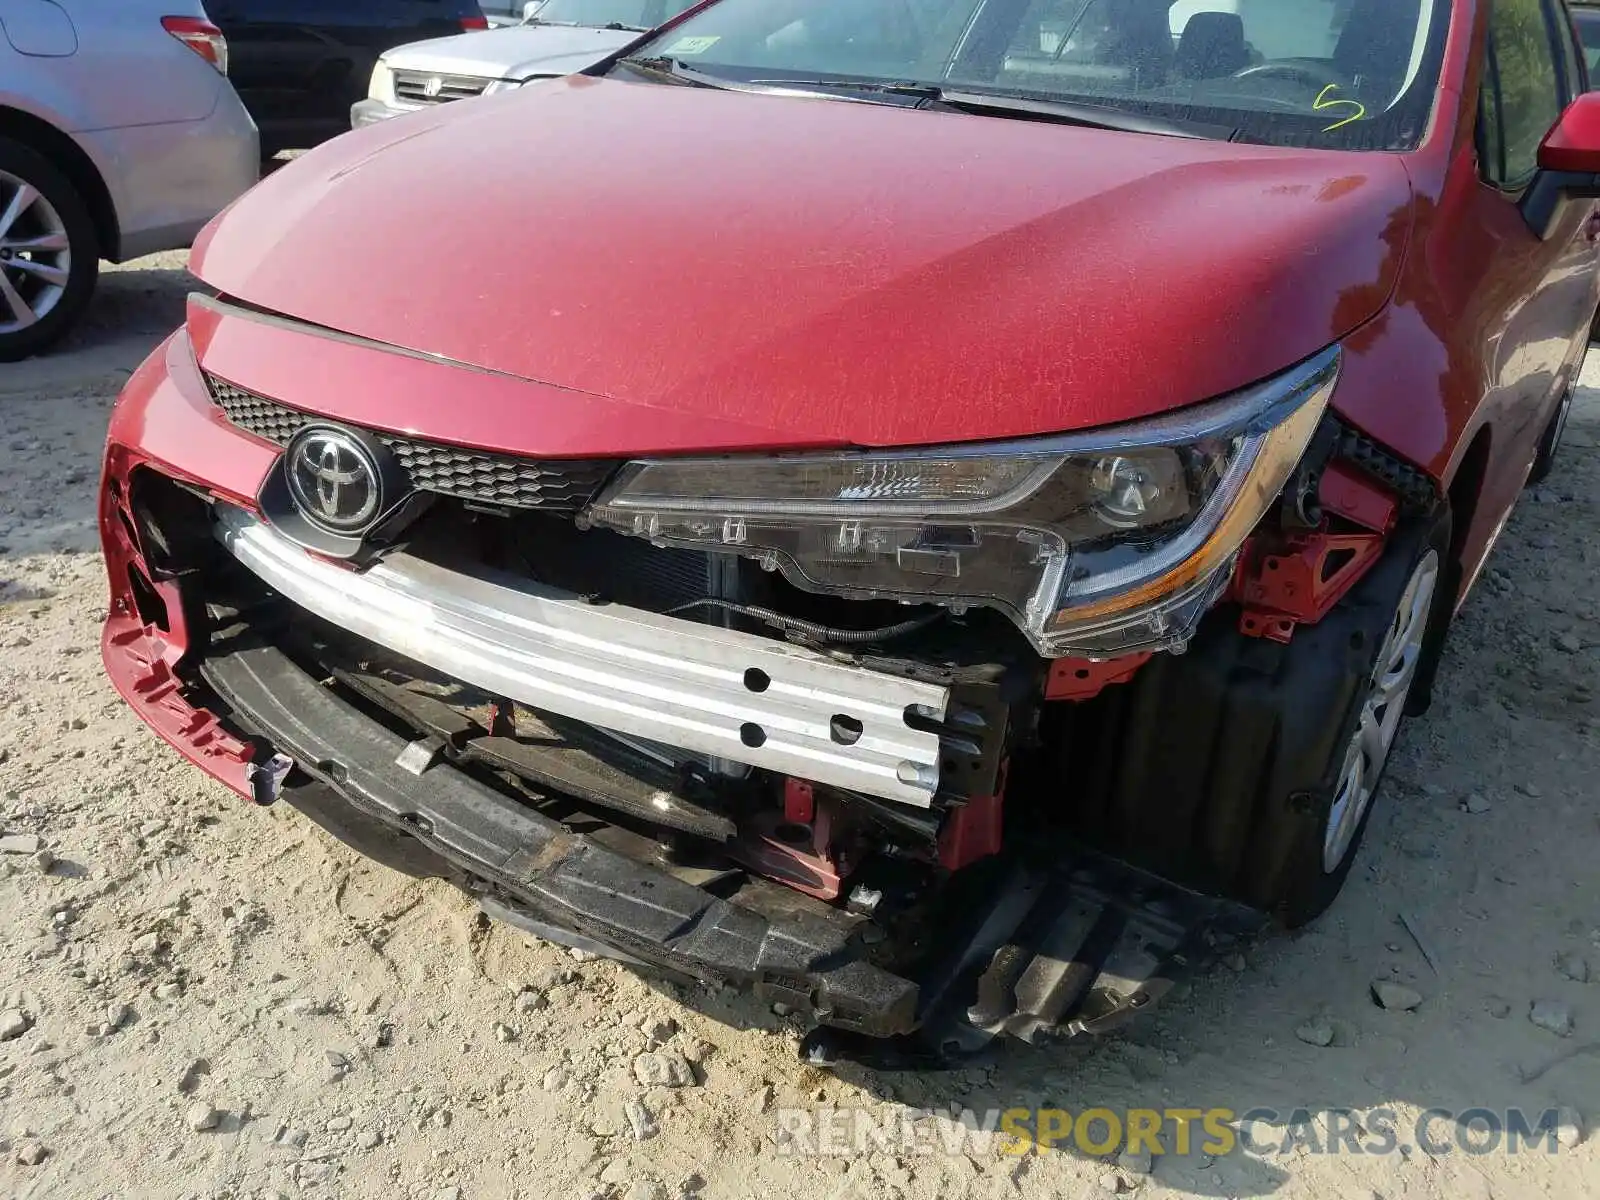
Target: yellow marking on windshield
{"x":1324,"y":102}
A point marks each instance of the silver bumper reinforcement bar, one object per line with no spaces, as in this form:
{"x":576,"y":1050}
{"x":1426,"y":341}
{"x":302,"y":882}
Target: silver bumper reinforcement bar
{"x":713,"y":691}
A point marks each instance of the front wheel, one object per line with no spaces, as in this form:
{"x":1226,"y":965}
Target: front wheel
{"x":1379,"y":713}
{"x":49,"y":253}
{"x":1550,"y":444}
{"x":1249,"y":769}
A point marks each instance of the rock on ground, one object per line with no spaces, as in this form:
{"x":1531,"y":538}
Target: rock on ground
{"x":1573,"y":965}
{"x":1569,"y":1127}
{"x":1395,"y":996}
{"x":14,"y":1023}
{"x":1553,"y":1016}
{"x":1318,"y":1031}
{"x":663,"y":1068}
{"x":31,"y":1153}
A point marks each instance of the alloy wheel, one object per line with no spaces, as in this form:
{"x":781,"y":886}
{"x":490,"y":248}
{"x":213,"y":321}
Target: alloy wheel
{"x":35,"y":255}
{"x":1381,"y":711}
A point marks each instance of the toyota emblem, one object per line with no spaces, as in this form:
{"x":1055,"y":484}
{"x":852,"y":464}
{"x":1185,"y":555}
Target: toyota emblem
{"x":334,"y":480}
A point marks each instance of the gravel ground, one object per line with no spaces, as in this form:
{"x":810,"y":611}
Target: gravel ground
{"x":200,"y":999}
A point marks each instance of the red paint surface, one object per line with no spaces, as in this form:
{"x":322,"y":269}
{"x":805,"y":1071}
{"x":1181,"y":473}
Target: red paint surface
{"x":641,"y":269}
{"x":974,"y":831}
{"x":809,"y":271}
{"x":1345,"y":491}
{"x":1487,"y":325}
{"x":740,"y":272}
{"x":815,"y":864}
{"x":140,"y":658}
{"x":799,"y":801}
{"x":1296,"y":580}
{"x":1086,"y":678}
{"x":1574,"y":144}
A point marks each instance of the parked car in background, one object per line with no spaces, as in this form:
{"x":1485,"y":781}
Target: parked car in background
{"x":119,"y":136}
{"x":942,"y":508}
{"x":564,"y":37}
{"x":300,"y":64}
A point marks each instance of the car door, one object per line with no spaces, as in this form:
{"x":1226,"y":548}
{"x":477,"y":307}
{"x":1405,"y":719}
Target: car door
{"x":1539,"y":293}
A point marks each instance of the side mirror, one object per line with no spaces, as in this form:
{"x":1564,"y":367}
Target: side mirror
{"x":1569,"y":165}
{"x":1573,"y":146}
{"x":531,"y":9}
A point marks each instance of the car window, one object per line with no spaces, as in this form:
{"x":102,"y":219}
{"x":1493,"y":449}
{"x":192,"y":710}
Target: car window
{"x":1526,"y":83}
{"x":1572,"y":69}
{"x":1353,"y":74}
{"x":1588,"y":22}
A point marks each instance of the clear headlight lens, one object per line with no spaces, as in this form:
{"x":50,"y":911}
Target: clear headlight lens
{"x":1096,"y":544}
{"x":381,"y":88}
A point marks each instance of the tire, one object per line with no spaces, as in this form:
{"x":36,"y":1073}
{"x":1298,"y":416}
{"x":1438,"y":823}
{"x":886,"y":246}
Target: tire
{"x":1550,"y":444}
{"x":36,"y":309}
{"x":1223,"y":769}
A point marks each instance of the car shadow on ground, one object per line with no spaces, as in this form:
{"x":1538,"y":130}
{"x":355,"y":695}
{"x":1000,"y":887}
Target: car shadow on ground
{"x":134,"y":305}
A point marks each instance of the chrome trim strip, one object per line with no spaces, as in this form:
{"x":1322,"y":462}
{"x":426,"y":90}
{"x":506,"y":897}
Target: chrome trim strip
{"x":622,"y":669}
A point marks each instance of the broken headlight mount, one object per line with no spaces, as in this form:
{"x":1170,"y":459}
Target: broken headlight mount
{"x":1095,"y":544}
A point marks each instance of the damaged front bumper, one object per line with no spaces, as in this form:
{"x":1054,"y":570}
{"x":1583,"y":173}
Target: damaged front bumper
{"x":715,"y":691}
{"x":535,"y":868}
{"x":1038,"y":940}
{"x":1052,"y":943}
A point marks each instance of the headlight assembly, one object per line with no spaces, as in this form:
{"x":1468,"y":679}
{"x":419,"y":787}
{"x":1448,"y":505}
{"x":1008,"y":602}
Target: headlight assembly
{"x":381,"y":86}
{"x":1098,"y":543}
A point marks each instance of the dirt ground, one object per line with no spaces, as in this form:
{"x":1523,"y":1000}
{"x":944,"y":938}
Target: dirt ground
{"x":176,"y":959}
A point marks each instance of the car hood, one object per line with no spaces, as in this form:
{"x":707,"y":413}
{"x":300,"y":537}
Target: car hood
{"x":518,"y":52}
{"x":822,"y":272}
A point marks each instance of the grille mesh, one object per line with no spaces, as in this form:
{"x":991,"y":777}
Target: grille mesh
{"x":413,"y":87}
{"x":554,"y":486}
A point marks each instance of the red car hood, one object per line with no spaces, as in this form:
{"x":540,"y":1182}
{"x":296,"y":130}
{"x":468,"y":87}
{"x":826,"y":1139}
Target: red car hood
{"x":814,"y":272}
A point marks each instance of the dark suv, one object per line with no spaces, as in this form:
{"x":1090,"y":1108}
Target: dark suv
{"x":299,"y":65}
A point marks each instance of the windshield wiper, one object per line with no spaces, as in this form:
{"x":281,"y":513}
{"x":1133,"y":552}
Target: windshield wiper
{"x":890,"y":87}
{"x":671,"y":68}
{"x":1096,"y":116}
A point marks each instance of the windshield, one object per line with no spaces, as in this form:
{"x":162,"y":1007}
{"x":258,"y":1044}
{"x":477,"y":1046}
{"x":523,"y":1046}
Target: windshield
{"x":631,"y":14}
{"x":1347,"y":74}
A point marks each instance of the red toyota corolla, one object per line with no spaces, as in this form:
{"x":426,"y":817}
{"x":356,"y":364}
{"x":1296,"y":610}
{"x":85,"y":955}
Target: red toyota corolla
{"x":933,"y":510}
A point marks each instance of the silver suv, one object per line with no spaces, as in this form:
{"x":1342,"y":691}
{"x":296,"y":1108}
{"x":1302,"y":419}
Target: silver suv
{"x":119,"y":136}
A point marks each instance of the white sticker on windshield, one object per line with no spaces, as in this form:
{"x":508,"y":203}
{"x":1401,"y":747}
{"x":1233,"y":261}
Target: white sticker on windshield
{"x":693,"y":45}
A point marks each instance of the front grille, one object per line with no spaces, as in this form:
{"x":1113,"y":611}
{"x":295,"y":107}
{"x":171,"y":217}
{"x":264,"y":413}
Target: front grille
{"x":422,"y":87}
{"x":472,"y":475}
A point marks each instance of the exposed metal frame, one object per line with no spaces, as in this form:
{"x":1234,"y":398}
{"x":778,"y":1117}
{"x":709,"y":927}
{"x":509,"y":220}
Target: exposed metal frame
{"x":700,"y":687}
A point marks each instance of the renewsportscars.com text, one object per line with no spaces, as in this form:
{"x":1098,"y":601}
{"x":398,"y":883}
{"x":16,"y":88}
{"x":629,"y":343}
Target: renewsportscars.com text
{"x":1263,"y":1132}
